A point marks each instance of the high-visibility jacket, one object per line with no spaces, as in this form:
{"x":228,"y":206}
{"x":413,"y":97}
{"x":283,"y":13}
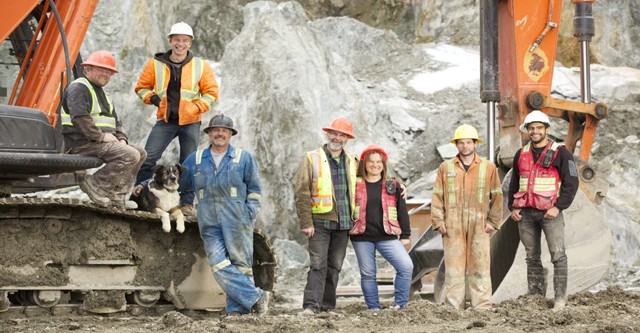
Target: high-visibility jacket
{"x":322,"y":184}
{"x":463,"y":197}
{"x":198,"y":88}
{"x":389,"y":210}
{"x":103,"y":119}
{"x":539,"y":186}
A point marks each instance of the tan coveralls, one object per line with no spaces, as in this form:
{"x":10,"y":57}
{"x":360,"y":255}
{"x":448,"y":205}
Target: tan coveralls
{"x":461,"y":201}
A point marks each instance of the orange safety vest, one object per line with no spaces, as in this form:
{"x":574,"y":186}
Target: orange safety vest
{"x":539,"y":185}
{"x":389,"y":210}
{"x":196,"y":74}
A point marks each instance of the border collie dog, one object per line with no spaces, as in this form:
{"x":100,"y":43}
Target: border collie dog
{"x":161,"y":196}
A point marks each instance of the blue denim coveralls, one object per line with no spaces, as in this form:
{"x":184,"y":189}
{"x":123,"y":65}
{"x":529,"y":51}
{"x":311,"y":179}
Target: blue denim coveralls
{"x":228,"y":201}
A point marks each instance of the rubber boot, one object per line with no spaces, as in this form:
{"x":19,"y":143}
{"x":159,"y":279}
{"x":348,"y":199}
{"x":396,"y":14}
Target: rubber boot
{"x":536,"y":281}
{"x":560,"y":289}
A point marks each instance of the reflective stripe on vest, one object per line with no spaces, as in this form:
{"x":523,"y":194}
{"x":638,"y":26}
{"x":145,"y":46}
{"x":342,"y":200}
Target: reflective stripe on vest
{"x":322,"y":184}
{"x":542,"y":190}
{"x":191,"y":92}
{"x":98,"y":119}
{"x":389,"y":211}
{"x":451,"y":181}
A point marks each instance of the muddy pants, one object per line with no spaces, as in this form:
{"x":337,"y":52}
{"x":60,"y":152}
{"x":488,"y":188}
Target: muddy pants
{"x":228,"y":241}
{"x":530,"y":228}
{"x":122,"y":163}
{"x":327,"y":249}
{"x":467,"y":256}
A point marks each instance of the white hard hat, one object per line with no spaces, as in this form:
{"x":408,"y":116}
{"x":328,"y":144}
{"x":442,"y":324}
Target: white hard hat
{"x":535,"y":116}
{"x":181,"y":28}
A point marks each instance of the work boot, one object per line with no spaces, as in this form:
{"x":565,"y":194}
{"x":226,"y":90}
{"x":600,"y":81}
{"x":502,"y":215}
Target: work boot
{"x":307,"y":312}
{"x":560,"y":289}
{"x":94,"y":194}
{"x":536,"y":281}
{"x":262,"y":305}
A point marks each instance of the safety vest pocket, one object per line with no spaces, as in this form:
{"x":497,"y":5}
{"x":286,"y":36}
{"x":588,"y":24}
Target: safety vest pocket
{"x":520,"y":199}
{"x":359,"y":227}
{"x":544,"y":202}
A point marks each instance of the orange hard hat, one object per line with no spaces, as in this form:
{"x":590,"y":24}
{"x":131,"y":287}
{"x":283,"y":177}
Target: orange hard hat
{"x":341,"y":125}
{"x":373,"y":148}
{"x":102,"y":59}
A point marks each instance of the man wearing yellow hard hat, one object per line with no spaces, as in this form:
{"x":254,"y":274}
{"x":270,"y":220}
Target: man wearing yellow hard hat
{"x":466,"y":207}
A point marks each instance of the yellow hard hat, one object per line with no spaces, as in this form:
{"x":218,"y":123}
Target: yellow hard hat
{"x":465,"y":132}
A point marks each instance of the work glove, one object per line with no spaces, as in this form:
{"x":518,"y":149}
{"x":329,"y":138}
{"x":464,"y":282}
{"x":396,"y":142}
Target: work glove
{"x":155,"y":100}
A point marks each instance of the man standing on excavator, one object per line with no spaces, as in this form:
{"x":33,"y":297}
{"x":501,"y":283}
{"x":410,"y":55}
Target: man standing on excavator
{"x":466,"y":207}
{"x":91,"y":127}
{"x":544,"y":182}
{"x":182,"y":87}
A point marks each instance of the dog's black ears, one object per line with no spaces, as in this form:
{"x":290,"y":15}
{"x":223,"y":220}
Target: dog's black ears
{"x":181,"y":168}
{"x":157,"y":167}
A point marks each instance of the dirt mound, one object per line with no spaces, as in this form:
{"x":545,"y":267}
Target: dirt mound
{"x":610,"y":310}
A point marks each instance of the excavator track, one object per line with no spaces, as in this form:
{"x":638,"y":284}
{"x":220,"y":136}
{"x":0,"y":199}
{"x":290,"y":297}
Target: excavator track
{"x":57,"y":251}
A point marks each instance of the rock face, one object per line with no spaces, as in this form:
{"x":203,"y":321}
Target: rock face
{"x":285,"y":72}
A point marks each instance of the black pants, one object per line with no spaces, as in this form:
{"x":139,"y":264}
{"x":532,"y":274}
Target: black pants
{"x":327,"y":249}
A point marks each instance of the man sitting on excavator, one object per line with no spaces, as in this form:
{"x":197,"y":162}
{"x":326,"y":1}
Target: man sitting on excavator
{"x":91,"y":127}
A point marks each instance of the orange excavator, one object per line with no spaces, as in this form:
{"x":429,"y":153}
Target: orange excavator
{"x":62,"y":250}
{"x":518,"y":50}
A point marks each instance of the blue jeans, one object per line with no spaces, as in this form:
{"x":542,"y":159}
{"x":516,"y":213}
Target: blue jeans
{"x":397,"y":256}
{"x":327,"y":249}
{"x":159,"y":139}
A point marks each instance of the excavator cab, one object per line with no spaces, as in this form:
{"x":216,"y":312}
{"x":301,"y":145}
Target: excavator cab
{"x":37,"y":54}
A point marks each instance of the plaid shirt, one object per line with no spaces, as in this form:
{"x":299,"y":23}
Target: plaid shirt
{"x":341,"y":193}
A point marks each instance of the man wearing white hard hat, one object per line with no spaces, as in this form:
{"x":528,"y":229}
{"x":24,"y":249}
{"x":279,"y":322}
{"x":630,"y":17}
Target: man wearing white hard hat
{"x":544,"y":182}
{"x":182,"y":87}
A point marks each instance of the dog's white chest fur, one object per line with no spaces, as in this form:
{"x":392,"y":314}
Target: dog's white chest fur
{"x":166,"y":200}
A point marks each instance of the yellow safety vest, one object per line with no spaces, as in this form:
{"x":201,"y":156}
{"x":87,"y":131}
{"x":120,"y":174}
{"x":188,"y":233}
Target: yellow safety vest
{"x":322,"y":184}
{"x":101,"y":121}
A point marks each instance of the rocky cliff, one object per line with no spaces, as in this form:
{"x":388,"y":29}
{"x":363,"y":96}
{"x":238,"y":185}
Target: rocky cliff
{"x":285,"y":69}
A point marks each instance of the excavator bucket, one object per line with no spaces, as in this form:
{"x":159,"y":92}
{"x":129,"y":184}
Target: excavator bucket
{"x":588,"y":244}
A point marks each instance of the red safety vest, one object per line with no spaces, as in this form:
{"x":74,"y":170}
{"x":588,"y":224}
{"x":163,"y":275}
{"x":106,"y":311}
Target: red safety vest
{"x":539,"y":186}
{"x":389,"y":211}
